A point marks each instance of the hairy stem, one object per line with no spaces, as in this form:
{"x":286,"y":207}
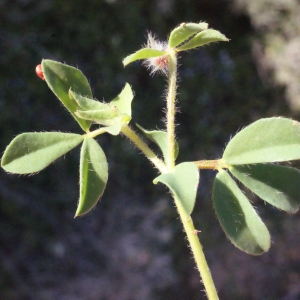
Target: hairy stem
{"x":217,"y":164}
{"x":139,"y":143}
{"x":186,"y":219}
{"x":198,"y":253}
{"x":171,"y":99}
{"x":96,"y":132}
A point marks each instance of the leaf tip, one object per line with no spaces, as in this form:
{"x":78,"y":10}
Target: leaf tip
{"x":125,"y":61}
{"x":78,"y":213}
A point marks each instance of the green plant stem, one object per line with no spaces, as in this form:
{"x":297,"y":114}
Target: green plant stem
{"x":171,"y":99}
{"x":196,"y":248}
{"x":96,"y":132}
{"x":139,"y":143}
{"x":186,"y":219}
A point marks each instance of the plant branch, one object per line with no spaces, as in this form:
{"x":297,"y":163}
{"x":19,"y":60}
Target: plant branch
{"x":217,"y":164}
{"x":131,"y":134}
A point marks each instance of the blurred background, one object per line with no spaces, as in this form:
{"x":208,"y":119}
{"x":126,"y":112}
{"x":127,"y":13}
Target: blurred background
{"x":131,"y":246}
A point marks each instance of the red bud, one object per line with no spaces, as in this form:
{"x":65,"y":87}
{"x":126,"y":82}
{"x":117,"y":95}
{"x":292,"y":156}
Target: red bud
{"x":39,"y":72}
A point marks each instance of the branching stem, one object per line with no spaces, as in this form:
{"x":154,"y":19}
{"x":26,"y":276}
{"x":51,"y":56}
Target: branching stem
{"x":192,"y":234}
{"x":139,"y":143}
{"x":217,"y":164}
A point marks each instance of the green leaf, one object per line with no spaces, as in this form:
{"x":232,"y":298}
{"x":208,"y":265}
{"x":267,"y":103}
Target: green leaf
{"x":238,"y":218}
{"x":114,"y":129}
{"x":143,"y":54}
{"x":93,"y":175}
{"x":123,"y":101}
{"x":32,"y":152}
{"x":183,"y":182}
{"x":60,"y":79}
{"x":203,"y":38}
{"x":112,"y":125}
{"x":86,"y":103}
{"x":266,"y":140}
{"x":160,"y":139}
{"x":104,"y":117}
{"x":115,"y":113}
{"x":184,"y":31}
{"x":278,"y":185}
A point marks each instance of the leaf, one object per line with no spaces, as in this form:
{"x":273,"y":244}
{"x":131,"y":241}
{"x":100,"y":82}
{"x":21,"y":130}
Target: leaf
{"x":184,"y":31}
{"x":266,"y":140}
{"x":60,"y":79}
{"x":93,"y":175}
{"x":104,"y":117}
{"x":160,"y":139}
{"x":86,"y":103}
{"x":203,"y":38}
{"x":114,"y":129}
{"x":118,"y":111}
{"x":183,"y":182}
{"x":143,"y":54}
{"x":278,"y":185}
{"x":238,"y":218}
{"x":32,"y":152}
{"x":123,"y":101}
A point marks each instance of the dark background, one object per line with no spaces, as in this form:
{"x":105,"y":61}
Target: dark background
{"x":131,"y":246}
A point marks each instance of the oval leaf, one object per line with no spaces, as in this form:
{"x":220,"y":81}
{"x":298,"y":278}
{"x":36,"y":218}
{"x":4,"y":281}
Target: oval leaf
{"x":60,"y":79}
{"x":86,"y":103}
{"x":143,"y":54}
{"x":266,"y":140}
{"x":203,"y":38}
{"x":184,"y":31}
{"x":183,"y":183}
{"x":104,"y":117}
{"x":93,"y":175}
{"x":32,"y":152}
{"x":278,"y":185}
{"x":238,"y":218}
{"x":123,"y":101}
{"x":160,"y":139}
